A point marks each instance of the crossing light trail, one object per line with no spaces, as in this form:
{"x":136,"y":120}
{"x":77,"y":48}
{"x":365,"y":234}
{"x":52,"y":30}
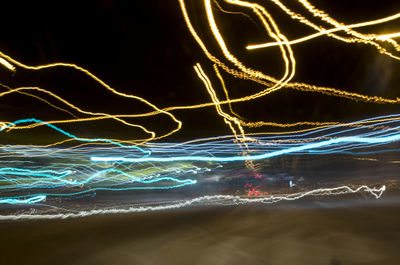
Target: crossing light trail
{"x":72,"y":175}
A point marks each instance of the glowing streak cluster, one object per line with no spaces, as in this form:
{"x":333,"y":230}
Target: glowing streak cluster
{"x":100,"y":165}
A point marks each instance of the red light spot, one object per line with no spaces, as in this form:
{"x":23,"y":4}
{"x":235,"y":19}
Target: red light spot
{"x":254,"y":192}
{"x":258,"y":176}
{"x":247,"y":185}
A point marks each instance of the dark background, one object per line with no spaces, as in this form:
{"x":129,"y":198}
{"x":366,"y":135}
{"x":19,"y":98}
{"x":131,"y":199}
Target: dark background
{"x":144,"y":48}
{"x":353,"y":234}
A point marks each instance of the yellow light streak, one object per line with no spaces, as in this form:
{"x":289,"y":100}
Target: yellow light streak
{"x":225,"y":91}
{"x":231,"y":65}
{"x":41,"y":99}
{"x":257,"y":76}
{"x":6,"y":64}
{"x":339,"y":28}
{"x":227,"y":118}
{"x":101,"y":82}
{"x":388,"y":36}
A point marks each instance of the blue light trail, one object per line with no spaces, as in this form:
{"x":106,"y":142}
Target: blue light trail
{"x":65,"y":176}
{"x":310,"y":146}
{"x":32,"y":120}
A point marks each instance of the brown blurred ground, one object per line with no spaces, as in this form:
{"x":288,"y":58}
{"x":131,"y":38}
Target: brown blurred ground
{"x":231,"y":235}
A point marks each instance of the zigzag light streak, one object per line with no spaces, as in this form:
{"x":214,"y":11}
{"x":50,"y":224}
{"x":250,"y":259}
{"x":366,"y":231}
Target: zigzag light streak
{"x":208,"y":200}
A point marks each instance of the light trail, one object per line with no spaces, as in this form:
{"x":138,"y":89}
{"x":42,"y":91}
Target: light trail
{"x":36,"y":121}
{"x":205,"y":200}
{"x":30,"y":200}
{"x":6,"y":64}
{"x":270,"y":82}
{"x":327,"y":32}
{"x":77,"y":176}
{"x":25,"y":181}
{"x":310,"y":146}
{"x":81,"y":178}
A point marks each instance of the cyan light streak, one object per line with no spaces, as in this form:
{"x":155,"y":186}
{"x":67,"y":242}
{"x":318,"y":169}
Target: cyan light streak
{"x":50,"y":179}
{"x":35,"y":178}
{"x":304,"y":147}
{"x":68,"y":174}
{"x":36,"y":173}
{"x":20,"y":200}
{"x":32,"y":120}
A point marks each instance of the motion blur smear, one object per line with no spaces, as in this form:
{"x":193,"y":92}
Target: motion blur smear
{"x":199,"y":132}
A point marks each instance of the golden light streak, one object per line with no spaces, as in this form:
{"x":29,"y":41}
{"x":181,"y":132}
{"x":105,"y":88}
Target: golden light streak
{"x":101,"y":82}
{"x":340,"y":28}
{"x":41,"y":99}
{"x":7,"y":64}
{"x":272,"y":30}
{"x":71,"y":106}
{"x":225,"y":90}
{"x":388,"y":36}
{"x":227,"y":118}
{"x":257,"y":76}
{"x":236,"y":68}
